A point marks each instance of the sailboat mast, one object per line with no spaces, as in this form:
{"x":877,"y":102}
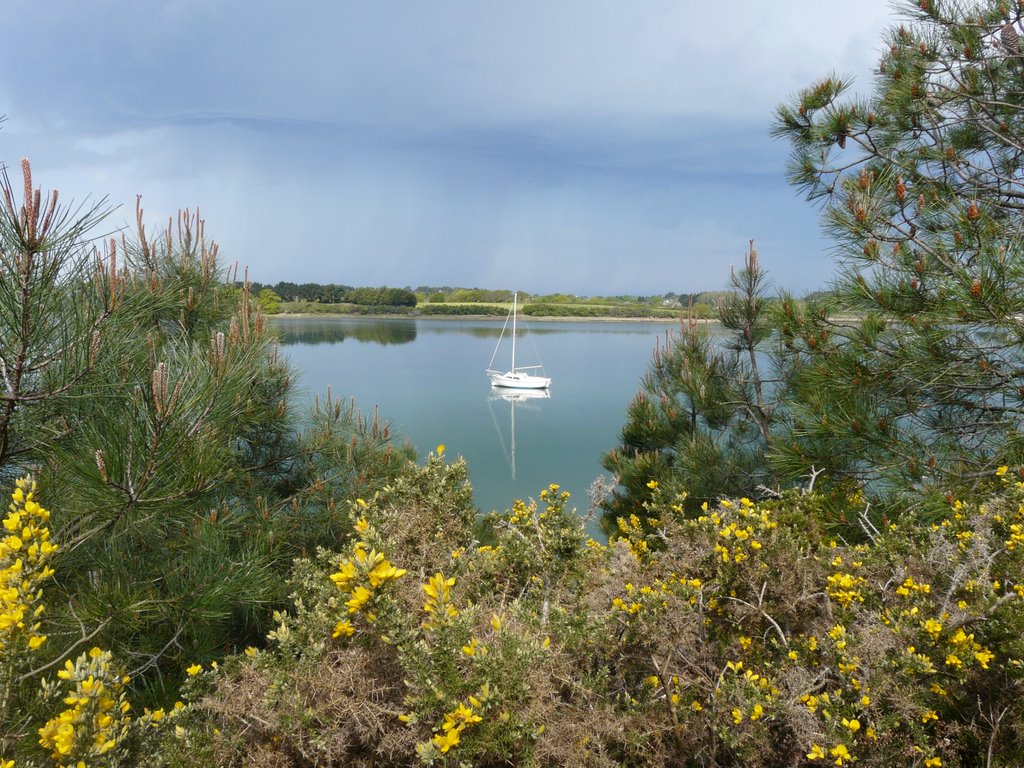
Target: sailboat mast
{"x":513,"y":404}
{"x":515,"y":298}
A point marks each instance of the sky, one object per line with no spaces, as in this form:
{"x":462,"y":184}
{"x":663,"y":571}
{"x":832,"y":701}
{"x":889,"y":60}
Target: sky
{"x":591,"y":147}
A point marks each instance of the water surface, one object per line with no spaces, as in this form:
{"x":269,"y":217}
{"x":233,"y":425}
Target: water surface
{"x":427,"y":377}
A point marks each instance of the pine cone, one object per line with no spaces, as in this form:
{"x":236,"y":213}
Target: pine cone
{"x":1010,"y":39}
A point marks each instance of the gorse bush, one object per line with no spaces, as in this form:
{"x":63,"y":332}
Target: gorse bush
{"x":747,"y":635}
{"x":25,"y":554}
{"x":744,"y":636}
{"x":88,"y":718}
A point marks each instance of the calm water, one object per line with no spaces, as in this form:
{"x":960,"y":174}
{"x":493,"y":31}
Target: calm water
{"x":427,"y":377}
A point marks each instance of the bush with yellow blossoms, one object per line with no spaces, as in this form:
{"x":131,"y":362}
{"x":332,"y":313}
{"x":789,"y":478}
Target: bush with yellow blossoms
{"x":742,"y":636}
{"x":25,"y":555}
{"x":95,"y":724}
{"x":82,"y":716}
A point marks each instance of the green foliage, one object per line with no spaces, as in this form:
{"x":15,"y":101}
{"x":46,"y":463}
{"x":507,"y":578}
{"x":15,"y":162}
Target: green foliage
{"x":314,"y":308}
{"x":269,"y":301}
{"x":381,"y":297}
{"x":906,"y":379}
{"x":538,"y":309}
{"x":705,"y":416}
{"x":918,"y":385}
{"x":743,"y":637}
{"x":462,"y":309}
{"x":143,"y":390}
{"x":479,"y":296}
{"x":311,"y":292}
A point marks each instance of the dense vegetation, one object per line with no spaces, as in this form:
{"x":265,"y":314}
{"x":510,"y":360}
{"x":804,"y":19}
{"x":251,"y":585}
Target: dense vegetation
{"x":143,"y":390}
{"x":744,"y":636}
{"x":339,"y":294}
{"x":314,"y":298}
{"x":906,"y":381}
{"x":188,"y":577}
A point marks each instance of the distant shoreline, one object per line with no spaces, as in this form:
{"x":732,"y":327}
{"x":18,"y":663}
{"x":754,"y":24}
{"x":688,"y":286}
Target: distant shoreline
{"x":529,"y":319}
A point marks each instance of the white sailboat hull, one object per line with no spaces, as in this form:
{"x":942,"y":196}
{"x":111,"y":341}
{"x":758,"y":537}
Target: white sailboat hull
{"x":517,"y":377}
{"x":518,"y":380}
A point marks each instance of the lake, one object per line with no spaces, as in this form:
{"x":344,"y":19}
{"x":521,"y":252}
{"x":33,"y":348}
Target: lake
{"x":427,"y":378}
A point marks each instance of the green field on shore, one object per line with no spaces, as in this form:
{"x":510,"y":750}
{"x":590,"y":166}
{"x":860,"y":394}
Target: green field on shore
{"x":496,"y":309}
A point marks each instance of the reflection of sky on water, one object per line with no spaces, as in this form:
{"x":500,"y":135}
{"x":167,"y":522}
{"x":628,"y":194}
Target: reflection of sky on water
{"x":427,"y":377}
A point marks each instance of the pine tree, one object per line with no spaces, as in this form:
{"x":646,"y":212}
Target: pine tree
{"x":705,"y":414}
{"x":914,"y":378}
{"x":142,"y":389}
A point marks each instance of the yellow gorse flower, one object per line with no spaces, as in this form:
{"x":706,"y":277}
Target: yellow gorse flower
{"x":343,"y":628}
{"x":360,"y":596}
{"x":360,"y":577}
{"x":438,"y":606}
{"x":457,"y":721}
{"x":24,"y":565}
{"x":97,"y":718}
{"x":841,"y":754}
{"x":447,"y":740}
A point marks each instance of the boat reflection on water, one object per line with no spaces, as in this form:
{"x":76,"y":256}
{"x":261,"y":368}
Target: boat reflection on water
{"x":514,"y":397}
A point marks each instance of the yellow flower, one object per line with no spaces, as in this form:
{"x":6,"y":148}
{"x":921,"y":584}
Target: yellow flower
{"x":360,"y":596}
{"x":447,"y":740}
{"x":251,"y":651}
{"x":383,"y":572}
{"x":840,"y":753}
{"x":194,"y":670}
{"x":1001,"y":471}
{"x":652,"y":484}
{"x":932,"y":627}
{"x":933,"y":762}
{"x":438,"y":586}
{"x":737,"y":716}
{"x":440,"y":449}
{"x":343,"y":627}
{"x":929,"y":715}
{"x":816,"y":753}
{"x":496,"y":623}
{"x":460,"y":717}
{"x":853,"y":725}
{"x":345,"y":575}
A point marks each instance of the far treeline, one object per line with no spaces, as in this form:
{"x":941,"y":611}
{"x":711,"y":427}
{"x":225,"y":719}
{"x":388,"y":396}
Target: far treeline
{"x":331,"y":298}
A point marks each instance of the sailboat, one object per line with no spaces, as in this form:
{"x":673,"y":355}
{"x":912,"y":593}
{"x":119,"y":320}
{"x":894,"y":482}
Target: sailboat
{"x":515,"y":377}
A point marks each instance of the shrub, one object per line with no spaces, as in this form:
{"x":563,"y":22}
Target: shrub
{"x":744,"y":636}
